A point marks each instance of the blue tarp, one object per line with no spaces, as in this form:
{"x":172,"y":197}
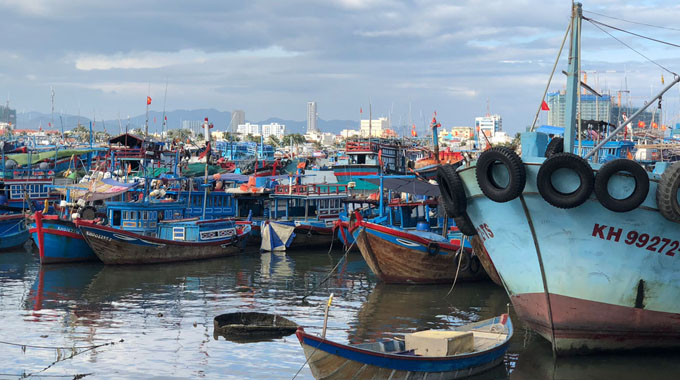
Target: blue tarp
{"x":550,"y":130}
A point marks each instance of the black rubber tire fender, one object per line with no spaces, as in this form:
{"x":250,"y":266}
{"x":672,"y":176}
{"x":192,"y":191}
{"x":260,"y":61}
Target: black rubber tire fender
{"x":465,"y":225}
{"x":517,"y":174}
{"x":556,"y":145}
{"x":565,"y":161}
{"x":638,"y":195}
{"x":464,"y":261}
{"x":452,"y":190}
{"x":475,"y":264}
{"x":667,"y":193}
{"x":433,"y":248}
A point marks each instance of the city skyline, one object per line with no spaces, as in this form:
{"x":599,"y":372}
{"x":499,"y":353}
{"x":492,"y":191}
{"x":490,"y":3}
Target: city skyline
{"x":409,"y":58}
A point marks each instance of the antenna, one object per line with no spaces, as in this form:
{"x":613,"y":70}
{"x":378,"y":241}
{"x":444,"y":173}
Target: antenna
{"x":163,"y":126}
{"x":52,"y":121}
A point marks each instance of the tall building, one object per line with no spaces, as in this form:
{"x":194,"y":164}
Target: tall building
{"x":489,"y":125}
{"x":273,"y":129}
{"x":311,"y":117}
{"x":248,"y":129}
{"x":592,"y":108}
{"x":238,"y":117}
{"x":374,"y":128}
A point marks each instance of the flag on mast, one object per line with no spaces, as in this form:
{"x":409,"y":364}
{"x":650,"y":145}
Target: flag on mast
{"x":544,"y":106}
{"x":148,"y":100}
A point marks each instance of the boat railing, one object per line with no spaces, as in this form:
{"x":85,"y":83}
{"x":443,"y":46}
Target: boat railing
{"x":312,"y":189}
{"x":129,"y":153}
{"x":359,"y":146}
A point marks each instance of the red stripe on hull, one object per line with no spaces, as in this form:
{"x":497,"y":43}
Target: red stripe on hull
{"x":582,"y":325}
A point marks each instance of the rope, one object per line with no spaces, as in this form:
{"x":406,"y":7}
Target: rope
{"x":306,"y":361}
{"x":595,"y":23}
{"x":634,"y":22}
{"x":564,"y":40}
{"x":328,"y":276}
{"x":461,"y":252}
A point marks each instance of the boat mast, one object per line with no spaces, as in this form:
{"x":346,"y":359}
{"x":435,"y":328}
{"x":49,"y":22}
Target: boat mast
{"x":573,"y":79}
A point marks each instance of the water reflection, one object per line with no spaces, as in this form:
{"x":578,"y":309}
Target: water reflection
{"x":164,"y":314}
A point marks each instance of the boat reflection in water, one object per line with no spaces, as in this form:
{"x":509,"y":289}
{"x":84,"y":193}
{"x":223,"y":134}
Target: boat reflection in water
{"x":536,"y":363}
{"x":58,"y":288}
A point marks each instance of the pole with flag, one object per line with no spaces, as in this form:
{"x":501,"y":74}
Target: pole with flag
{"x":146,"y":124}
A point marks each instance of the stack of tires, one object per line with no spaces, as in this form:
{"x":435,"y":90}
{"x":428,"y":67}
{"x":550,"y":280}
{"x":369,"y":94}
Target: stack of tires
{"x":454,"y":198}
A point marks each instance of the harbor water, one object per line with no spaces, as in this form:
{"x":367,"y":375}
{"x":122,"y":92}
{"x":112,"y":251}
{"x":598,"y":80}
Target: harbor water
{"x":156,"y":321}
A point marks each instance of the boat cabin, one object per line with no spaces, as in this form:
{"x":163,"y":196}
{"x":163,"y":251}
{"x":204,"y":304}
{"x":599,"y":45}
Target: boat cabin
{"x":143,"y":217}
{"x":308,"y":202}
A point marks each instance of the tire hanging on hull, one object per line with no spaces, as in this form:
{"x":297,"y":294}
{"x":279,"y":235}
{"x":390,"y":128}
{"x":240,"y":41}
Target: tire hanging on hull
{"x":571,"y":162}
{"x":635,"y":199}
{"x":516,"y":174}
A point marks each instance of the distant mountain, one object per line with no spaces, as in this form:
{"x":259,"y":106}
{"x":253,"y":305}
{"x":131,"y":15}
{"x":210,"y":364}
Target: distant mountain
{"x":220,"y":119}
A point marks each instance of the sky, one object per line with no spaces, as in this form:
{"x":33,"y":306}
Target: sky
{"x":408,"y":59}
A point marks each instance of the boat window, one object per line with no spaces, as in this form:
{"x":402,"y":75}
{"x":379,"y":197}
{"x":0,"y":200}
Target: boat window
{"x":133,"y":215}
{"x":145,"y":215}
{"x":361,"y":159}
{"x":115,"y":218}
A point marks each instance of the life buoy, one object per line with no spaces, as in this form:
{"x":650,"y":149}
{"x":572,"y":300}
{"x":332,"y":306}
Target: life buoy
{"x":571,"y":162}
{"x":432,"y":248}
{"x":667,"y":193}
{"x":638,"y":195}
{"x":452,"y":190}
{"x":516,"y":174}
{"x":556,"y":145}
{"x":465,"y":225}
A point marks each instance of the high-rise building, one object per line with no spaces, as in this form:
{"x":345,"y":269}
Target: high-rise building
{"x":238,"y":117}
{"x":311,"y":117}
{"x":248,"y":129}
{"x":374,"y":128}
{"x":489,"y":125}
{"x":592,"y":108}
{"x":273,"y":129}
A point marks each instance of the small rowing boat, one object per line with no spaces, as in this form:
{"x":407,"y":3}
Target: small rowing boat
{"x":438,"y":354}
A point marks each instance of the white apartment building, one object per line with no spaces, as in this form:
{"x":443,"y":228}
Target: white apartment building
{"x":374,"y":128}
{"x":248,"y":129}
{"x":275,"y":129}
{"x":489,"y":125}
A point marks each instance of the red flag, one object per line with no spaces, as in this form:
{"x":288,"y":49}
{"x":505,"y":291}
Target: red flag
{"x":413,"y":131}
{"x":361,"y":110}
{"x":148,"y":100}
{"x":544,"y":106}
{"x":206,"y":152}
{"x":166,"y":118}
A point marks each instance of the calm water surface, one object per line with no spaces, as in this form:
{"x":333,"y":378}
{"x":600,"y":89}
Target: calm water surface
{"x":161,"y":319}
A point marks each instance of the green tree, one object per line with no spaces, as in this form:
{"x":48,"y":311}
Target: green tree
{"x":230,"y":136}
{"x":252,"y":138}
{"x":273,"y":141}
{"x":295,"y":137}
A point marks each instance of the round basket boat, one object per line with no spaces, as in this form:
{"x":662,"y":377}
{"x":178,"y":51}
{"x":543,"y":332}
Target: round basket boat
{"x":252,"y":326}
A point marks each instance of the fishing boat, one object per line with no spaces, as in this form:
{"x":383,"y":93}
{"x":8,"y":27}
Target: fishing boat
{"x":302,"y":216}
{"x":426,"y":167}
{"x":586,"y":251}
{"x":58,"y":238}
{"x":366,"y":157}
{"x":13,"y":231}
{"x":439,"y":354}
{"x":177,"y":240}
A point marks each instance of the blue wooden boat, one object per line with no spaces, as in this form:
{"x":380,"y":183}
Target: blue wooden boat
{"x":13,"y":231}
{"x":175,"y":240}
{"x":310,"y":210}
{"x":59,"y":240}
{"x":586,"y":251}
{"x":483,"y":346}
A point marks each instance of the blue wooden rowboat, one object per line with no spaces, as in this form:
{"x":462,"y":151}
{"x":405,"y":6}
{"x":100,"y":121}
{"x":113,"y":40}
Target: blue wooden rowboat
{"x":13,"y":231}
{"x":391,"y":359}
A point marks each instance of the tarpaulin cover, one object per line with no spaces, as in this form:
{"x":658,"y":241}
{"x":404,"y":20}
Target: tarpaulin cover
{"x":276,"y":236}
{"x":95,"y":191}
{"x":406,"y":185}
{"x":23,"y":158}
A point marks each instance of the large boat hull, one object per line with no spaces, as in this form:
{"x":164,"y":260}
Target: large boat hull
{"x":59,"y":241}
{"x":584,"y":278}
{"x":114,"y":246}
{"x":350,"y":173}
{"x":400,"y":257}
{"x":13,"y":232}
